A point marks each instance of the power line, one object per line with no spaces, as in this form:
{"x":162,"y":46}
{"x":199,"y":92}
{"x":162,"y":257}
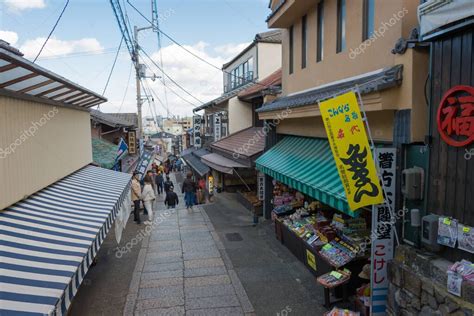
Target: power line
{"x":52,"y":30}
{"x":81,"y":54}
{"x":126,"y":88}
{"x":165,"y":74}
{"x":113,"y":66}
{"x":189,"y":51}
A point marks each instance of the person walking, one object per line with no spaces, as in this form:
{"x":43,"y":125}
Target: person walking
{"x":171,"y":198}
{"x":168,"y":184}
{"x":136,"y":196}
{"x":159,"y":182}
{"x":148,"y":197}
{"x":189,"y":190}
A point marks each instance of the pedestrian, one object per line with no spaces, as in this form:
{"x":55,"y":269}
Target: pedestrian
{"x":168,"y":184}
{"x":171,"y":198}
{"x":150,"y":174}
{"x":136,"y":196}
{"x":159,"y":182}
{"x":148,"y":197}
{"x":189,"y":190}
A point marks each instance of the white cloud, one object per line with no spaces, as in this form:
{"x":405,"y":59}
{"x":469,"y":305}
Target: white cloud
{"x":19,"y":5}
{"x":230,"y":50}
{"x":56,"y":47}
{"x":9,"y":36}
{"x":200,"y":79}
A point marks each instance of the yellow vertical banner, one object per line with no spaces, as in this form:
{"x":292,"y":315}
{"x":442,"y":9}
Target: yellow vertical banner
{"x":351,"y":150}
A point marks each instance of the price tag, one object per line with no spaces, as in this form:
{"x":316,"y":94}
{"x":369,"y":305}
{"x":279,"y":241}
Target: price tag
{"x":327,"y":247}
{"x":447,"y":221}
{"x":466,"y":229}
{"x":336,"y":274}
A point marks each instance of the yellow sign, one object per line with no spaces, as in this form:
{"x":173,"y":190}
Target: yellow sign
{"x":311,"y":259}
{"x":350,"y":147}
{"x":211,"y":184}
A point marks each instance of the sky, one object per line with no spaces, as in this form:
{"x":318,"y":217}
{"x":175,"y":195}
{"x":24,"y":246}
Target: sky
{"x":84,"y":44}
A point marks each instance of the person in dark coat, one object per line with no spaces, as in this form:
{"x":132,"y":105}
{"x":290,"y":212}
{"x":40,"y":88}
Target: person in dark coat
{"x":189,"y":190}
{"x":171,"y":198}
{"x":159,"y":181}
{"x":168,"y":184}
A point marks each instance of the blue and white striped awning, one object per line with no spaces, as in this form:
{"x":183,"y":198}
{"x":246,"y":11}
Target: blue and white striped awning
{"x":48,"y":241}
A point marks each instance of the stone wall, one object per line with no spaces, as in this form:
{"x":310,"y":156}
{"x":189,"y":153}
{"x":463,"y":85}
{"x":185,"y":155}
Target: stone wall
{"x":418,"y":283}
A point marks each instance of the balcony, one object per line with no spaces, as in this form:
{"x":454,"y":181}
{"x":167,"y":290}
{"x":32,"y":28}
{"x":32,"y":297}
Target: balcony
{"x":285,"y":12}
{"x":238,"y":82}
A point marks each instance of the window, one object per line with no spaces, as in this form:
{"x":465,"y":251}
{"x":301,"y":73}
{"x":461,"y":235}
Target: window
{"x":369,"y":19}
{"x":291,"y":49}
{"x":320,"y":33}
{"x":341,"y":25}
{"x":303,"y":41}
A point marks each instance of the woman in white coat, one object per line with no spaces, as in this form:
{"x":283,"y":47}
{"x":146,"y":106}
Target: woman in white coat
{"x":148,"y":197}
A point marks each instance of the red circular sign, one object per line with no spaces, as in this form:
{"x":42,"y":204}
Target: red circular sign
{"x":456,"y":116}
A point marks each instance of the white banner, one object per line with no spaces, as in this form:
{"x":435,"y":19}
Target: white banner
{"x":197,"y":141}
{"x":217,"y":127}
{"x":383,"y":230}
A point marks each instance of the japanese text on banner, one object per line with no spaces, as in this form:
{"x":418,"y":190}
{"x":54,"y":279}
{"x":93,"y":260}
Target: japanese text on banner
{"x":350,"y":147}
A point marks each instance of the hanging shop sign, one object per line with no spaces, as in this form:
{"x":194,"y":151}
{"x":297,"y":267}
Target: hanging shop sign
{"x":132,"y":142}
{"x":261,"y":186}
{"x":350,"y":147}
{"x":217,"y":127}
{"x":455,"y":117}
{"x":210,"y":184}
{"x":383,"y":230}
{"x":197,"y":131}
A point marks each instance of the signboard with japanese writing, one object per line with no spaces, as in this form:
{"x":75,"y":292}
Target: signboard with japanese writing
{"x":350,"y":147}
{"x":383,"y":230}
{"x":456,"y":116}
{"x":197,"y":131}
{"x":210,"y":184}
{"x":217,"y":127}
{"x":132,"y":142}
{"x":261,"y":186}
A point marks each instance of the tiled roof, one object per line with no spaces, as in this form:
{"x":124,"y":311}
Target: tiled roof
{"x":131,"y":118}
{"x":246,"y":143}
{"x":224,"y":97}
{"x":374,"y":81}
{"x":269,"y":83}
{"x":109,"y":119}
{"x":273,"y":36}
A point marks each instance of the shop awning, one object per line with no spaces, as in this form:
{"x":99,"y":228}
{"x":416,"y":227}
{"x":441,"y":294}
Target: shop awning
{"x":307,"y":165}
{"x":196,"y":163}
{"x":48,"y":241}
{"x":104,"y":153}
{"x":243,"y":144}
{"x":221,"y":163}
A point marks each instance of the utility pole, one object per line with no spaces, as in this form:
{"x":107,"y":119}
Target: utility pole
{"x":139,"y":97}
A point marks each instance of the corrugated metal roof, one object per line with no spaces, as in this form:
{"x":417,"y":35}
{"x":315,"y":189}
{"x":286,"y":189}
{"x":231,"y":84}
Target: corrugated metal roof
{"x":221,"y":163}
{"x":224,"y":97}
{"x":131,"y":118}
{"x":196,"y":164}
{"x":20,"y":77}
{"x":246,"y":143}
{"x":369,"y":82}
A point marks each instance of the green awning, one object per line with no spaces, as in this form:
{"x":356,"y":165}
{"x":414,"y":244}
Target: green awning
{"x":307,"y":165}
{"x":104,"y":153}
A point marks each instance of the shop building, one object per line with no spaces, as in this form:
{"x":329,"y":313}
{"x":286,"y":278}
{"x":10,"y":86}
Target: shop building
{"x":329,"y":48}
{"x":46,"y":175}
{"x":228,"y":114}
{"x":433,"y":273}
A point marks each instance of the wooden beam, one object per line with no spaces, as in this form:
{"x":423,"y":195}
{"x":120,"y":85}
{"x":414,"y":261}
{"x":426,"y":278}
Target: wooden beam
{"x":7,"y":67}
{"x":36,"y":86}
{"x":72,"y":98}
{"x":19,"y":79}
{"x":92,"y":103}
{"x":50,"y":90}
{"x":62,"y":94}
{"x":84,"y":100}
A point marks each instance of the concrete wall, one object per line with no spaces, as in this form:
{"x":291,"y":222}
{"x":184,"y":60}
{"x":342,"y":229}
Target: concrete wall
{"x":418,"y":282}
{"x":240,"y":115}
{"x":39,"y":144}
{"x":269,"y":59}
{"x":381,"y":125}
{"x":336,"y":66}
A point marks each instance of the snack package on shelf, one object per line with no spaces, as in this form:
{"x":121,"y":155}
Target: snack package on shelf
{"x":342,"y":312}
{"x":334,"y":278}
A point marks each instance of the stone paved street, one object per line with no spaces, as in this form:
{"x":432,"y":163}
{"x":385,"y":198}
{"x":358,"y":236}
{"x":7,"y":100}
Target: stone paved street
{"x":183,"y":269}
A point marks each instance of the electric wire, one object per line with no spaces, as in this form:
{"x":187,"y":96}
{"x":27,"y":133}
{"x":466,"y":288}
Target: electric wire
{"x":52,"y":30}
{"x":165,"y":74}
{"x":113,"y":66}
{"x":126,"y":88}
